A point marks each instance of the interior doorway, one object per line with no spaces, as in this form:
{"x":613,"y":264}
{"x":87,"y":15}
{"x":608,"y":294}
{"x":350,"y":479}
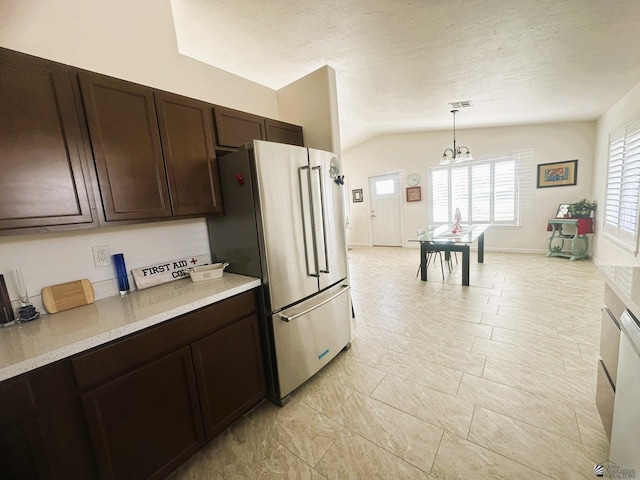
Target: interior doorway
{"x":386,"y":228}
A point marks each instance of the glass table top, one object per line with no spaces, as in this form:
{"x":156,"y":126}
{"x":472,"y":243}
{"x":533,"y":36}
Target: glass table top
{"x":443,"y":234}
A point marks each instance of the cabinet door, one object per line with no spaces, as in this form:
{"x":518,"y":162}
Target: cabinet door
{"x":42,"y":182}
{"x":147,"y":422}
{"x":23,"y":454}
{"x":229,"y":373}
{"x":126,"y":146}
{"x":186,"y":132}
{"x":235,"y":128}
{"x":282,"y":132}
{"x":62,"y":420}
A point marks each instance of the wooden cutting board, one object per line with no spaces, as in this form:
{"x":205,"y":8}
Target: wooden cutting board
{"x":64,"y":296}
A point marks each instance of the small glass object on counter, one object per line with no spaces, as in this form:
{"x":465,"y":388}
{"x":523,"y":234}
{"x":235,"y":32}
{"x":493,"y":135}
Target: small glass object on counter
{"x":27,"y":311}
{"x":121,"y":273}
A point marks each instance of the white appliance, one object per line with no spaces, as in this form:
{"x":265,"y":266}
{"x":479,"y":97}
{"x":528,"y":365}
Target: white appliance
{"x":625,"y":431}
{"x":284,"y":223}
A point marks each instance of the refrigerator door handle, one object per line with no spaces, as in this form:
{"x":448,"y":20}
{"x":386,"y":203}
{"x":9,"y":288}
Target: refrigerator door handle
{"x":308,"y":230}
{"x":323,"y":220}
{"x":286,"y":318}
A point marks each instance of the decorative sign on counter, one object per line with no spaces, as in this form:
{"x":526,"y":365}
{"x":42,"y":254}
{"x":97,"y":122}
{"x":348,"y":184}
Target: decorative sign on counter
{"x":167,"y":271}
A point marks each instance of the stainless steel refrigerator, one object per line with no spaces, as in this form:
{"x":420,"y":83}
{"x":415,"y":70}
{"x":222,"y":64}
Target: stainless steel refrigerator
{"x":284,"y":222}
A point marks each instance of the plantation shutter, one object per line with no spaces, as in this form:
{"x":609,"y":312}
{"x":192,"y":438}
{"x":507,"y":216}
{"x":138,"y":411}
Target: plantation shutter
{"x":440,"y":196}
{"x":485,"y":191}
{"x":623,"y":185}
{"x":481,"y":212}
{"x":505,"y":187}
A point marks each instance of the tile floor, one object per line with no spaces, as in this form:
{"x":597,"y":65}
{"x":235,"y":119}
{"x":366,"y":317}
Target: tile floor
{"x":495,"y":380}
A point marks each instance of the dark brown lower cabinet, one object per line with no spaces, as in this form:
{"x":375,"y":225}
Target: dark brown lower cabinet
{"x":138,"y":407}
{"x":147,"y":422}
{"x":23,"y":454}
{"x":229,"y":373}
{"x":60,"y":414}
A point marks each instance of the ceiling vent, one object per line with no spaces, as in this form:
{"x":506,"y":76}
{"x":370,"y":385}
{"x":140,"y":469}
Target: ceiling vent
{"x":461,"y":104}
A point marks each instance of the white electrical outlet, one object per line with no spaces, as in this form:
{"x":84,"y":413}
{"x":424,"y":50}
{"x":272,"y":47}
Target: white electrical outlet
{"x":101,"y":256}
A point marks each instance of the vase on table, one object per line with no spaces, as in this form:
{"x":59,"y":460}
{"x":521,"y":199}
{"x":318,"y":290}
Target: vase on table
{"x":457,"y":219}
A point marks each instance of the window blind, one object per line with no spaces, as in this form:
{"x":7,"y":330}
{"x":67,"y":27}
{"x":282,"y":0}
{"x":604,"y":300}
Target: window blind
{"x":485,"y":191}
{"x":623,"y":185}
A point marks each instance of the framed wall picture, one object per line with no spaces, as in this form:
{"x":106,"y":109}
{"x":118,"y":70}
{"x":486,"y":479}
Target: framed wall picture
{"x":557,"y":174}
{"x":414,"y":194}
{"x":563,"y":211}
{"x":357,"y":195}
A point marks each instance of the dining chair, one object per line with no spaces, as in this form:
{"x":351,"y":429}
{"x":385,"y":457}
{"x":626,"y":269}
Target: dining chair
{"x":455,"y":254}
{"x":432,"y":251}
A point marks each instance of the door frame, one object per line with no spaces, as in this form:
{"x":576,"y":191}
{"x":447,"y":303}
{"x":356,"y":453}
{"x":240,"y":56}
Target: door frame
{"x":400,"y":174}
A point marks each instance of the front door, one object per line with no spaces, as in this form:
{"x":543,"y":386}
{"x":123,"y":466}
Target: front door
{"x":385,"y":210}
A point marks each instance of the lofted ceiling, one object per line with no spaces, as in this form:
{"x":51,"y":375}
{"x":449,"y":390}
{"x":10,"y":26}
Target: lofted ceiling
{"x":399,"y":63}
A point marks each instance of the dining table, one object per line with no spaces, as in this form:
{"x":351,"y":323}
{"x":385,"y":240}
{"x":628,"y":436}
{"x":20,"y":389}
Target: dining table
{"x":447,"y":239}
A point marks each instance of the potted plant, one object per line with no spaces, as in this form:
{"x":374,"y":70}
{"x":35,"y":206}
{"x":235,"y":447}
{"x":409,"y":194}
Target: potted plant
{"x":581,"y":208}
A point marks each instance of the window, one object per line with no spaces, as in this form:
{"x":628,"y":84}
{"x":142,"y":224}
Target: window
{"x":485,"y":191}
{"x":384,"y":187}
{"x":623,"y":185}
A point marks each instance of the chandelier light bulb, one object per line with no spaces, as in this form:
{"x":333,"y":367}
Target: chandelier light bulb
{"x":457,"y":154}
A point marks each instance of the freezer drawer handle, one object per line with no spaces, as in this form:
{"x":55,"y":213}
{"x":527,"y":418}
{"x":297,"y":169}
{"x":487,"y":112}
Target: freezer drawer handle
{"x":304,"y":312}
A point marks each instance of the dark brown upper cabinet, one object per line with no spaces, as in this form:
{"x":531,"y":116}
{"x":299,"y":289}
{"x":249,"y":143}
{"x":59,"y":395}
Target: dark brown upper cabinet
{"x":282,"y":132}
{"x":186,"y":132}
{"x":235,"y":128}
{"x":126,"y":148}
{"x":154,"y":151}
{"x":43,"y":177}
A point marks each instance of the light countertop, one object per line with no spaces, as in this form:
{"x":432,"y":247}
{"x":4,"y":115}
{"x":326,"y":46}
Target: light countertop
{"x":625,"y":282}
{"x":52,"y":337}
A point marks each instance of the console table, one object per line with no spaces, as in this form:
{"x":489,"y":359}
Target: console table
{"x":579,"y":241}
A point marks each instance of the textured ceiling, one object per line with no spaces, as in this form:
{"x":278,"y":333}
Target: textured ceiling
{"x":399,"y":63}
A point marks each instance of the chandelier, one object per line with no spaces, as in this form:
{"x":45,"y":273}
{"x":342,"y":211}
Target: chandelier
{"x":455,"y":154}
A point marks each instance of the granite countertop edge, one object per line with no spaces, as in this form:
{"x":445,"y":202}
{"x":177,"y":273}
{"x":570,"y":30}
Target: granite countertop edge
{"x":625,"y":282}
{"x":107,"y":320}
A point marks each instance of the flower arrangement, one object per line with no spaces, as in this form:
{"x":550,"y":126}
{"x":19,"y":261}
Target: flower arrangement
{"x":581,"y":208}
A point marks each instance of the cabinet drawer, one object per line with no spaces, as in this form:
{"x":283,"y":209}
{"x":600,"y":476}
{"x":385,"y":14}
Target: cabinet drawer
{"x":16,"y":401}
{"x":610,"y":343}
{"x":104,"y":363}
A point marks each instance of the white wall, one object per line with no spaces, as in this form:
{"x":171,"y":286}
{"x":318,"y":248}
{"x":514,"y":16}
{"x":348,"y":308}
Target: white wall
{"x":416,"y":152}
{"x":319,"y":117}
{"x":627,"y":109}
{"x":52,"y":258}
{"x":133,"y":40}
{"x":129,"y":39}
